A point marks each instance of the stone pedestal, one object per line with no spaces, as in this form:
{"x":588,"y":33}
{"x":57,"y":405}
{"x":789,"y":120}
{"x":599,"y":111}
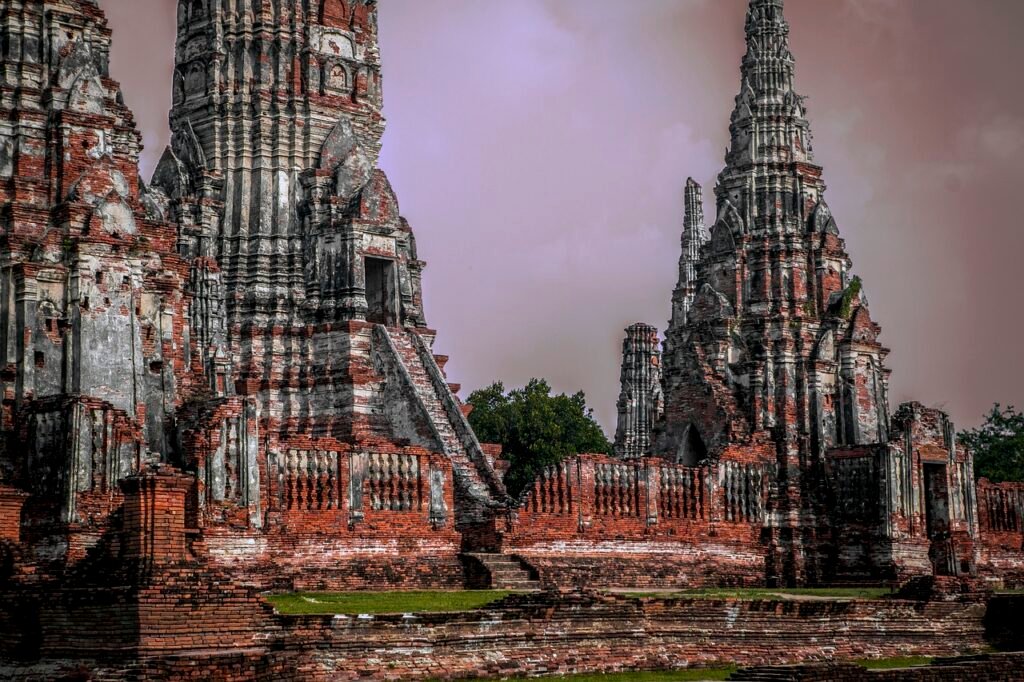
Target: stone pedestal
{"x":154,"y":516}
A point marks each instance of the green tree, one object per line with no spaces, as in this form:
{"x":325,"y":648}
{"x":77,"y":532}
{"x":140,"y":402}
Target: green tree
{"x":998,"y":445}
{"x":535,"y":429}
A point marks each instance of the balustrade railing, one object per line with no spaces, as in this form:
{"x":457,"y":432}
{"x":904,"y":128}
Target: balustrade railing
{"x":681,"y":492}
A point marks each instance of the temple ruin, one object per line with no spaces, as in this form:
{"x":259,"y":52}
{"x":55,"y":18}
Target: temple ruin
{"x":221,"y":382}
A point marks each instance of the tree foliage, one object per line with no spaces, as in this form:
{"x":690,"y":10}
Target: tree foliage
{"x":535,"y":429}
{"x":998,"y":445}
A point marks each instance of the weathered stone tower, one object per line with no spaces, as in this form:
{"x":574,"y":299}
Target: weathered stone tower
{"x":93,"y":308}
{"x":776,"y":359}
{"x":253,"y":317}
{"x":640,"y":401}
{"x":309,"y":309}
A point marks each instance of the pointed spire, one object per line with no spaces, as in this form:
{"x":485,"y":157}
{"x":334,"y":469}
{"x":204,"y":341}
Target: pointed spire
{"x":768,"y":122}
{"x":768,"y":65}
{"x":766,"y":17}
{"x":695,"y":235}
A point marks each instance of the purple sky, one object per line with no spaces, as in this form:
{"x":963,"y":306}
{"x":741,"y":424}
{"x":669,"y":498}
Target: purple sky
{"x":539,"y":148}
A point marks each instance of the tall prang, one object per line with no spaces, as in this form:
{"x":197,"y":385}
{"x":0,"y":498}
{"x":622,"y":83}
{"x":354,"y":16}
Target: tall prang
{"x":253,"y":317}
{"x":640,"y":400}
{"x":777,"y":359}
{"x":309,"y":313}
{"x":776,"y":311}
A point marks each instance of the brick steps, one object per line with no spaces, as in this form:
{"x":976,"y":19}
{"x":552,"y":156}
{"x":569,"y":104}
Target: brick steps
{"x":409,"y":355}
{"x":507,"y":572}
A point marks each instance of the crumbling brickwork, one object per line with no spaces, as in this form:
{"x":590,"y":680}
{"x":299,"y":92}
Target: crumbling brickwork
{"x":253,"y":316}
{"x":223,"y":382}
{"x":771,"y":359}
{"x":524,"y":635}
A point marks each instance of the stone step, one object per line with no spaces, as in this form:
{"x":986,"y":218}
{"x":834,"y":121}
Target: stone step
{"x":434,"y":404}
{"x":522,"y":586}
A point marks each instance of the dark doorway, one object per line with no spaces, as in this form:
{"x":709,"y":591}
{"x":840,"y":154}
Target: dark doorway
{"x":380,"y":291}
{"x":936,"y":499}
{"x":692,"y":450}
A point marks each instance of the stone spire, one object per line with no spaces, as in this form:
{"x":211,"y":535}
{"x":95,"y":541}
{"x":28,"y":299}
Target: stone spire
{"x":307,"y":308}
{"x":776,"y":345}
{"x":769,"y":122}
{"x":640,"y":400}
{"x":695,"y":235}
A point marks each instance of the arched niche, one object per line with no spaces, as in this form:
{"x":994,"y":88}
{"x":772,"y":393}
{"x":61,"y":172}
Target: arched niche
{"x":692,"y":450}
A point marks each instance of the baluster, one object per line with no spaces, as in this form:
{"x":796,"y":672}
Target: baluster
{"x":633,"y":492}
{"x":665,"y":493}
{"x":321,"y":480}
{"x":616,"y":504}
{"x":545,"y":485}
{"x":332,"y":480}
{"x":290,"y":492}
{"x":568,"y":486}
{"x":389,"y":482}
{"x":407,"y":483}
{"x":560,"y":472}
{"x":418,"y":478}
{"x":311,"y":479}
{"x":728,"y":492}
{"x":375,"y":498}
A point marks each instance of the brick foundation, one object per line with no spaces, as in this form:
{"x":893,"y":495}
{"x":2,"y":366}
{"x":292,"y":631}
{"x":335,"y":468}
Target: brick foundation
{"x":229,"y":636}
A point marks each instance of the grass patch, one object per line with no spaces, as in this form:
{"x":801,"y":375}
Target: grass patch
{"x":357,"y":603}
{"x":772,"y":593}
{"x":894,"y":663}
{"x":690,"y":675}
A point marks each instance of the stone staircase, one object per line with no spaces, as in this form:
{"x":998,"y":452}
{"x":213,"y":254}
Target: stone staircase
{"x":507,"y":572}
{"x":466,"y":471}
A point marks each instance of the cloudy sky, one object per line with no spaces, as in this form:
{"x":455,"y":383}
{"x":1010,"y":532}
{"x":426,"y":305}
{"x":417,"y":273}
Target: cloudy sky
{"x":539,"y":148}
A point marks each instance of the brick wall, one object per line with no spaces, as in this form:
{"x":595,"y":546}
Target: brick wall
{"x":11,"y":502}
{"x":527,"y":634}
{"x":598,"y":520}
{"x":1001,"y":518}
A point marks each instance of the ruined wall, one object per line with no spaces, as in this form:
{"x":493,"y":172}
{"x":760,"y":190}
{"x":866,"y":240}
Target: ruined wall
{"x":93,"y":313}
{"x":1001,"y":517}
{"x":346,"y":519}
{"x":595,"y":520}
{"x":906,"y":507}
{"x":528,"y":635}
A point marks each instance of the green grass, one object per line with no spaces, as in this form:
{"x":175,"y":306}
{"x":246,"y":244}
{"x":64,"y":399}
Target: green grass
{"x":894,"y":663}
{"x":772,"y":593}
{"x":691,"y":675}
{"x":357,"y":603}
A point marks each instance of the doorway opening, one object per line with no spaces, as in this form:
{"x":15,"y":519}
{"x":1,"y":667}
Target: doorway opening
{"x":936,"y":496}
{"x":380,"y":291}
